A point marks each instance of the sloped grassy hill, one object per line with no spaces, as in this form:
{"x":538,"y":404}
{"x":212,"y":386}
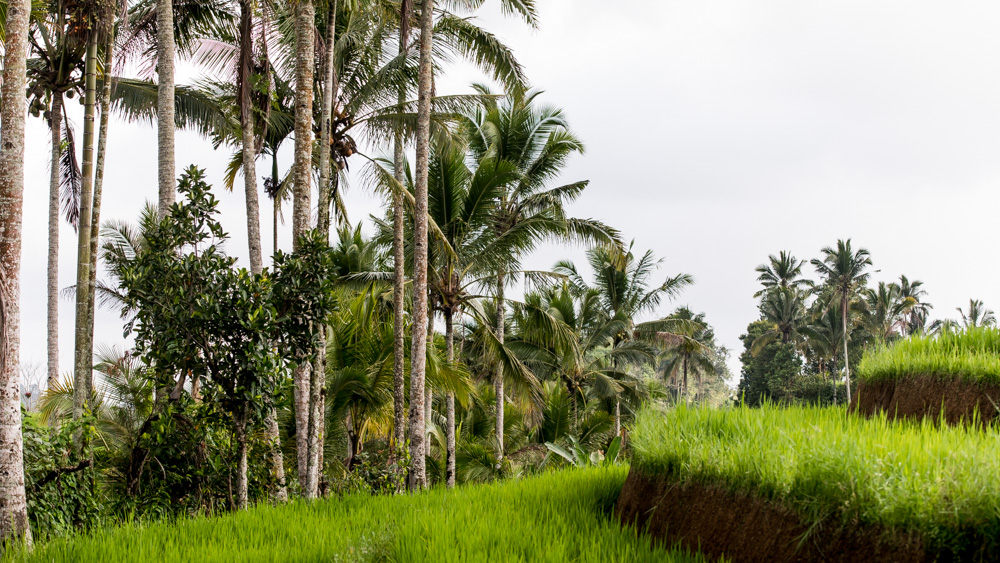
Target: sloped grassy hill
{"x":558,"y":516}
{"x":916,"y":484}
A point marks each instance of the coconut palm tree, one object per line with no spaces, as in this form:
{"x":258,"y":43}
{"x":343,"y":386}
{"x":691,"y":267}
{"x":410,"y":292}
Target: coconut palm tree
{"x":784,"y":309}
{"x":13,"y":502}
{"x":845,"y":273}
{"x":623,"y":281}
{"x":57,"y":46}
{"x":689,"y":348}
{"x":916,"y":317}
{"x":537,"y":140}
{"x":784,"y":271}
{"x":884,"y":311}
{"x":977,"y":315}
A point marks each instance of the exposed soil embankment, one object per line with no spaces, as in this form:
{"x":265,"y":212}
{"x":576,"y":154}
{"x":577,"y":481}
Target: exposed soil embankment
{"x":924,"y":396}
{"x":744,"y":527}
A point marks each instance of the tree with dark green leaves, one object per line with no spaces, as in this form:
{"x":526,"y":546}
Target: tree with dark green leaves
{"x":770,"y":373}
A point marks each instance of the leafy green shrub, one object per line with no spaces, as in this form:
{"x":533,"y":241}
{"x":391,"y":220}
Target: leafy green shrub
{"x":60,"y":483}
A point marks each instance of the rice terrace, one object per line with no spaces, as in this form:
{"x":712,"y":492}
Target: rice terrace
{"x":499,"y":280}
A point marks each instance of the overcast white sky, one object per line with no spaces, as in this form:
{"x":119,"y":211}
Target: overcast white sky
{"x":716,"y":132}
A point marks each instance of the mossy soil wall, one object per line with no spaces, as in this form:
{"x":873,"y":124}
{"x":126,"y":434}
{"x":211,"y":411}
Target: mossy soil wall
{"x":927,"y":396}
{"x":745,"y":527}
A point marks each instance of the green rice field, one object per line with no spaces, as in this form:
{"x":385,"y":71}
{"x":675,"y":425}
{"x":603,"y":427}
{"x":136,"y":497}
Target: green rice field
{"x":973,"y":354}
{"x":558,"y":516}
{"x":939,"y":482}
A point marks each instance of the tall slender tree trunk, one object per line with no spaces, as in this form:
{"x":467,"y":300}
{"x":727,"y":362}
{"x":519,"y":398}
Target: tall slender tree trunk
{"x":13,"y":502}
{"x":248,"y":138}
{"x":450,"y":402}
{"x":305,"y":15}
{"x":241,"y":463}
{"x":253,"y":226}
{"x":330,"y":88}
{"x":418,"y":354}
{"x":95,"y":219}
{"x":317,"y":384}
{"x":55,"y":126}
{"x":276,"y":204}
{"x":618,"y":417}
{"x":399,"y":261}
{"x":165,"y":105}
{"x":83,"y":369}
{"x":685,"y":379}
{"x":428,"y":391}
{"x":847,"y":360}
{"x":498,"y":375}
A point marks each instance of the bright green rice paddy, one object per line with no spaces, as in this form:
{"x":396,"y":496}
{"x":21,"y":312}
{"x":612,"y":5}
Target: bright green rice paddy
{"x":558,"y":516}
{"x":972,"y":354}
{"x":942,"y":482}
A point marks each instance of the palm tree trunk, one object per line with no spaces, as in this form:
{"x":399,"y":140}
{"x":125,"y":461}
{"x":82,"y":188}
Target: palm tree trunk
{"x":329,"y":92}
{"x":55,"y":126}
{"x":83,"y":368}
{"x":305,"y":15}
{"x":95,"y":220}
{"x":399,"y":262}
{"x":618,"y":417}
{"x":418,"y":361}
{"x":450,"y":399}
{"x":249,"y":145}
{"x":847,"y":361}
{"x":165,"y":104}
{"x":241,"y":463}
{"x":317,"y":418}
{"x":275,"y":202}
{"x":428,"y":391}
{"x":13,"y":502}
{"x":498,"y":375}
{"x":685,"y":379}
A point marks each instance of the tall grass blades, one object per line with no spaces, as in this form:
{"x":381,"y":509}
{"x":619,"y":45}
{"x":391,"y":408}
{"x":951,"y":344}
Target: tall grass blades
{"x":973,"y":353}
{"x":559,"y":516}
{"x":939,"y":482}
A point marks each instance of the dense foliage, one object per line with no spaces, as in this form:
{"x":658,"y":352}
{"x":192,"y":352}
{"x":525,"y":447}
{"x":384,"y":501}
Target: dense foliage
{"x":973,"y":353}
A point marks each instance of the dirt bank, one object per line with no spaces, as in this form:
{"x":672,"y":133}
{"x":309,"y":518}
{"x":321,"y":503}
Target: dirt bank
{"x":747,"y":528}
{"x":921,"y":396}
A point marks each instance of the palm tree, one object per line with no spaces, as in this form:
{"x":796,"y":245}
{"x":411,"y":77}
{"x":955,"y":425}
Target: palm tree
{"x":13,"y":503}
{"x":885,"y":311}
{"x":977,"y":315}
{"x":688,"y":348}
{"x":784,"y":309}
{"x":418,"y":472}
{"x":916,"y":317}
{"x":165,"y":104}
{"x":844,"y":272}
{"x":784,"y":271}
{"x":623,"y":282}
{"x":538,"y":142}
{"x":57,"y":46}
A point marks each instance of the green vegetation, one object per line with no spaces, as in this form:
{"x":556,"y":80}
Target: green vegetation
{"x":559,"y":516}
{"x":973,"y":353}
{"x":939,"y":482}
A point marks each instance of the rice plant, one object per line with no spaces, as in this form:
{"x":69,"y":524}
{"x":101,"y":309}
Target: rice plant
{"x":558,"y":516}
{"x":973,"y":354}
{"x":939,"y":482}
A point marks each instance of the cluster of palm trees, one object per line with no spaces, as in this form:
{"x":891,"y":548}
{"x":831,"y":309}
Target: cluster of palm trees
{"x":341,"y":78}
{"x":830,"y":321}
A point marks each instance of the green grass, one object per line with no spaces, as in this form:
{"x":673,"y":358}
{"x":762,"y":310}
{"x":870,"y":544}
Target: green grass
{"x":558,"y":516}
{"x":972,"y":354}
{"x":940,"y":482}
